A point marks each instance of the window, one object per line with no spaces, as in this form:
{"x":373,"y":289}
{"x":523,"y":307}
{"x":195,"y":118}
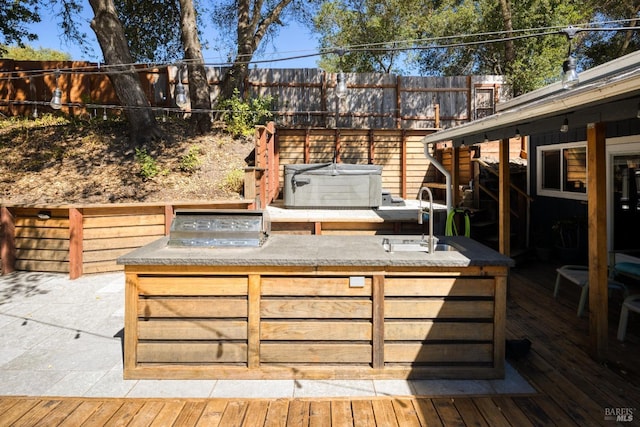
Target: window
{"x":485,"y":102}
{"x":562,"y":171}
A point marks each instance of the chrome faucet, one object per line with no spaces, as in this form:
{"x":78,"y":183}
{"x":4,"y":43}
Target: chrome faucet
{"x":422,"y":210}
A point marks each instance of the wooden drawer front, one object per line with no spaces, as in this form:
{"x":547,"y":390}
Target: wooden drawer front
{"x":427,"y":330}
{"x":315,"y":320}
{"x":193,"y":286}
{"x":321,"y":353}
{"x":191,"y":352}
{"x":451,"y":354}
{"x":432,"y":308}
{"x":329,"y":308}
{"x":196,"y":329}
{"x":198,"y":307}
{"x":439,"y":287}
{"x":315,"y":331}
{"x":200,"y":319}
{"x":313,"y":286}
{"x":446,"y":321}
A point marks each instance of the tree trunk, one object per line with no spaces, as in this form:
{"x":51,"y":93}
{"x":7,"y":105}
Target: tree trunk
{"x":252,"y":27}
{"x":509,"y":50}
{"x":125,"y":80}
{"x":198,"y":83}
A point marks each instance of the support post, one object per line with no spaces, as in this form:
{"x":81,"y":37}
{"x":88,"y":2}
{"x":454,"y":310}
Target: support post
{"x":597,"y":203}
{"x":76,"y":243}
{"x":504,"y":204}
{"x":403,"y":164}
{"x":455,"y":175}
{"x":168,"y":218}
{"x":7,"y":241}
{"x":377,"y":296}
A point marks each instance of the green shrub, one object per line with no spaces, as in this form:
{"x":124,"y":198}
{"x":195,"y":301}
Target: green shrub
{"x":241,"y":117}
{"x":234,"y":181}
{"x":190,"y":162}
{"x":149,"y":168}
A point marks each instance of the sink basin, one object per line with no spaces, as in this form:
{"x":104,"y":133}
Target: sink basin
{"x":414,"y":245}
{"x":445,"y":247}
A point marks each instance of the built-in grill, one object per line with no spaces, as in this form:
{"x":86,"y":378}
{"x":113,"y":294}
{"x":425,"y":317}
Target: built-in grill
{"x":218,"y":228}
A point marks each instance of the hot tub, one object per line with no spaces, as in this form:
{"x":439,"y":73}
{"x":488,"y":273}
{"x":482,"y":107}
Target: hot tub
{"x":332,"y":185}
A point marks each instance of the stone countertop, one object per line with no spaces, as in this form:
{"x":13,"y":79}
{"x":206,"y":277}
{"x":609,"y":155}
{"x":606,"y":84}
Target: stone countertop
{"x":407,"y":212}
{"x":318,"y":250}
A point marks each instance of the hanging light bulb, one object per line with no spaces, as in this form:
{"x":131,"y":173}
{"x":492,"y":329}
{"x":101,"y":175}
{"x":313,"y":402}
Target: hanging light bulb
{"x":569,"y":74}
{"x":341,"y":86}
{"x":565,"y":126}
{"x":56,"y":99}
{"x":35,"y":112}
{"x":104,"y":114}
{"x":181,"y":94}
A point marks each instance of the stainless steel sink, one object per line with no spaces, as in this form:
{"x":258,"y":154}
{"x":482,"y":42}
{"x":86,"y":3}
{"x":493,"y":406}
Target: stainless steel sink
{"x":445,"y":247}
{"x":414,"y":245}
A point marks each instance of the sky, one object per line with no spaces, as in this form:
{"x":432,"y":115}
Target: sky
{"x":293,"y":40}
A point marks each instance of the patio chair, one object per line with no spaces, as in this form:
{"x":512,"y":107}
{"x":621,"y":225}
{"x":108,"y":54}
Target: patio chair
{"x":579,"y":275}
{"x":628,"y":269}
{"x":631,"y":303}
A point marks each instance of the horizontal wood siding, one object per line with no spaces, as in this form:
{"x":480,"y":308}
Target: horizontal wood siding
{"x":42,"y":244}
{"x":85,"y":239}
{"x":430,"y":321}
{"x":182,"y":320}
{"x":315,"y":320}
{"x":418,"y":169}
{"x":292,"y":323}
{"x":112,"y":232}
{"x":387,"y":152}
{"x":384,"y":147}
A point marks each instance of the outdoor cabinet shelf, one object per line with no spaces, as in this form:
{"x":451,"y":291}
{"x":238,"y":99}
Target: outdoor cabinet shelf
{"x":296,"y":321}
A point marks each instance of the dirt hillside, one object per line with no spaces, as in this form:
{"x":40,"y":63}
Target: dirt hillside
{"x":56,"y":161}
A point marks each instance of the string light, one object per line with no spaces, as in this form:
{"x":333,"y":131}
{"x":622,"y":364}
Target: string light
{"x":403,"y":45}
{"x":105,"y":69}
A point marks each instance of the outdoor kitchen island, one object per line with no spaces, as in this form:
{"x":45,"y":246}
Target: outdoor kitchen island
{"x":315,"y":307}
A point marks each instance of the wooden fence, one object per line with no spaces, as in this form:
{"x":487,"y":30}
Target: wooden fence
{"x":400,"y":152}
{"x":302,"y":97}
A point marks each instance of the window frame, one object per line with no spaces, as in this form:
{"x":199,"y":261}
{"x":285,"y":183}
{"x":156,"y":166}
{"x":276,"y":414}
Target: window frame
{"x":561,"y":193}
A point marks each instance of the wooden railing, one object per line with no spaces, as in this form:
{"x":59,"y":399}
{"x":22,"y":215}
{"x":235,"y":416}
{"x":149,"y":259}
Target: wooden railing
{"x":261,"y":184}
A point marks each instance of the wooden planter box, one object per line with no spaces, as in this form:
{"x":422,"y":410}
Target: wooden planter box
{"x":83,"y":239}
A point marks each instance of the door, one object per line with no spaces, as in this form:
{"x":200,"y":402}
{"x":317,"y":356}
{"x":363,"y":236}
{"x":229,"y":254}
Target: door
{"x":626,"y":201}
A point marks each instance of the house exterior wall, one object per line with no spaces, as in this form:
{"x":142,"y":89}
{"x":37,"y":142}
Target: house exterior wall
{"x":547,"y":212}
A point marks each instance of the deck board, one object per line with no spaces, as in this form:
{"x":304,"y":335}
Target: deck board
{"x":572,"y":388}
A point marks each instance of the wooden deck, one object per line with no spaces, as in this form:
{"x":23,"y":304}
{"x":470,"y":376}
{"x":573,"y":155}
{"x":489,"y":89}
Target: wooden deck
{"x":573,"y":389}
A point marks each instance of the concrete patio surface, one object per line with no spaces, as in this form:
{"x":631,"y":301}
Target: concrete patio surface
{"x":63,"y":337}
